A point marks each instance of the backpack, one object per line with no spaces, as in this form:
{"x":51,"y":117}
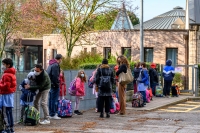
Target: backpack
{"x":137,"y":100}
{"x":105,"y":83}
{"x":90,"y":84}
{"x":148,"y":98}
{"x":159,"y":91}
{"x":72,"y":88}
{"x":31,"y":115}
{"x":65,"y":108}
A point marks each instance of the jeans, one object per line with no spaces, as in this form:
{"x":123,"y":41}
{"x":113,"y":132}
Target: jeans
{"x":53,"y":101}
{"x":43,"y":97}
{"x":153,"y":87}
{"x":104,"y":100}
{"x":144,"y":96}
{"x":167,"y":86}
{"x":8,"y":116}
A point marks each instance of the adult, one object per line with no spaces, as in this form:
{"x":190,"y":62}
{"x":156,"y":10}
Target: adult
{"x":43,"y":83}
{"x":143,"y":81}
{"x":54,"y":72}
{"x":123,"y":65}
{"x":104,"y":88}
{"x":136,"y":72}
{"x":153,"y":74}
{"x":168,"y":74}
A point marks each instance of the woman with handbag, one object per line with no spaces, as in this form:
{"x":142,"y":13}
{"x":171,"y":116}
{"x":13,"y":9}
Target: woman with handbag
{"x":123,"y":66}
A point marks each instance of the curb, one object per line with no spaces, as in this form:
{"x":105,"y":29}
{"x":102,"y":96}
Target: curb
{"x":167,"y":104}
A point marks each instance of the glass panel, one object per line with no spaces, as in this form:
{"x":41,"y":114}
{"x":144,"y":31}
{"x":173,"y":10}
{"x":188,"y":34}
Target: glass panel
{"x":148,"y":55}
{"x":127,"y":52}
{"x":172,"y":53}
{"x":107,"y":53}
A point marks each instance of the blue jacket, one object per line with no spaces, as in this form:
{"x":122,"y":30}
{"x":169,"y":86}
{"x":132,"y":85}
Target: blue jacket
{"x":168,"y":71}
{"x":27,"y":95}
{"x":145,"y":77}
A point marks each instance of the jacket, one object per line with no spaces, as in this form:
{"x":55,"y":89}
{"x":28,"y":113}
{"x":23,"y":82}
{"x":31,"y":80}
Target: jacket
{"x":54,"y":71}
{"x":122,"y":68}
{"x":62,"y":85}
{"x":145,"y":77}
{"x":8,"y":81}
{"x":27,"y":95}
{"x":105,"y":70}
{"x":153,"y":75}
{"x":168,"y":71}
{"x":80,"y":87}
{"x":43,"y":82}
{"x":136,"y":72}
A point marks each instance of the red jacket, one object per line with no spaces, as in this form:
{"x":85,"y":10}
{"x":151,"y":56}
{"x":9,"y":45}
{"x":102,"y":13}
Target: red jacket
{"x":8,"y":81}
{"x":62,"y":85}
{"x":80,"y":87}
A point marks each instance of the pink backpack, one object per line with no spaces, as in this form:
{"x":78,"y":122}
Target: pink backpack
{"x":148,"y":98}
{"x":72,"y":88}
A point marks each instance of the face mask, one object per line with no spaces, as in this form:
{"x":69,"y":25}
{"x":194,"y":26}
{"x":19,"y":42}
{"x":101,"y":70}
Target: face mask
{"x":3,"y":68}
{"x":82,"y":75}
{"x":36,"y":73}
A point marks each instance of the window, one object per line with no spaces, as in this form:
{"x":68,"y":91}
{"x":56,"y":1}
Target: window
{"x":85,"y":50}
{"x":126,"y":51}
{"x":148,"y":54}
{"x":54,"y":53}
{"x":93,"y":50}
{"x":172,"y":53}
{"x":107,"y":52}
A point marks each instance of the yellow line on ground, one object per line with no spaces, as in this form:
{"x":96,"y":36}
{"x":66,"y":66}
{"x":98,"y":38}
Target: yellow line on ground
{"x":198,"y":106}
{"x":179,"y":107}
{"x":185,"y":105}
{"x":193,"y":102}
{"x":171,"y":110}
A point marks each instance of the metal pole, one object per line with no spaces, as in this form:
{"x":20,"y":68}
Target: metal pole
{"x":141,"y":34}
{"x":193,"y":80}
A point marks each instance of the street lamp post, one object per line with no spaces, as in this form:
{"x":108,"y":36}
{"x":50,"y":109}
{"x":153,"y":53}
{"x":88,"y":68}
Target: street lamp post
{"x":141,"y":34}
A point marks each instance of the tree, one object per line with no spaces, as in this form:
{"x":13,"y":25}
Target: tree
{"x":8,"y":20}
{"x":32,"y":22}
{"x":104,"y":21}
{"x":72,"y":16}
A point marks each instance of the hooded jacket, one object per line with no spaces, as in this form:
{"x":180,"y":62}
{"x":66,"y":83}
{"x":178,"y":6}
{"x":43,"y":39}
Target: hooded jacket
{"x":54,"y":72}
{"x":168,"y":71}
{"x":8,"y":81}
{"x":105,"y":71}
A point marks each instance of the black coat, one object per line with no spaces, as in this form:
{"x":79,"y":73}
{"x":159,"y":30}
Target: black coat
{"x":136,"y":72}
{"x":106,"y":70}
{"x":153,"y":76}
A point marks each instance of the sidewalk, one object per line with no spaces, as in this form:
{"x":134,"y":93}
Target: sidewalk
{"x":159,"y":102}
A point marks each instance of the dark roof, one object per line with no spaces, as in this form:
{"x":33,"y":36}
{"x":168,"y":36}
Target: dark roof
{"x":165,"y":20}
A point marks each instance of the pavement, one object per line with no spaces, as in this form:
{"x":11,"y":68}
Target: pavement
{"x":162,"y":115}
{"x":160,"y":102}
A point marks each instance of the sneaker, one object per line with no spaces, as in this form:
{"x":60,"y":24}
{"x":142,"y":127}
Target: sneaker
{"x":45,"y":122}
{"x":76,"y":112}
{"x":55,"y":117}
{"x":107,"y":115}
{"x":12,"y":130}
{"x":101,"y":115}
{"x":96,"y":110}
{"x":79,"y":113}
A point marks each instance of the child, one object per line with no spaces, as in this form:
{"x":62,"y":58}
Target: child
{"x":80,"y":90}
{"x":116,"y":68}
{"x":62,"y":85}
{"x":92,"y":79}
{"x":8,"y":86}
{"x":143,"y":80}
{"x":27,"y":95}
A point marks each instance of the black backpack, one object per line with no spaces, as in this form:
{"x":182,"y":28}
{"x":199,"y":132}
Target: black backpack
{"x":105,"y":81}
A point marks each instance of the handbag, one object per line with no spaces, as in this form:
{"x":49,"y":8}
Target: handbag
{"x":125,"y":78}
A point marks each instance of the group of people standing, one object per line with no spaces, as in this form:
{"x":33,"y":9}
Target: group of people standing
{"x":51,"y":84}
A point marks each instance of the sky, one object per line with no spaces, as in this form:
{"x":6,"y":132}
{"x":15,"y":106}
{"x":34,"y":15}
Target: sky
{"x":153,"y":8}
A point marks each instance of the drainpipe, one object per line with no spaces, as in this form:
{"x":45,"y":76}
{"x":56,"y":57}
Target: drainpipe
{"x":141,"y":34}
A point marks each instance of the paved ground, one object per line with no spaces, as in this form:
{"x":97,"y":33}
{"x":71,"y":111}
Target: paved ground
{"x":136,"y":120}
